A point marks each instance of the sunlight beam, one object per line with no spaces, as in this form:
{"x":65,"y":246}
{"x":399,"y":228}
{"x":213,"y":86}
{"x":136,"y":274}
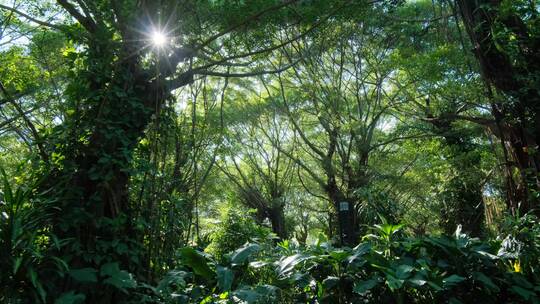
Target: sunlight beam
{"x":158,"y":39}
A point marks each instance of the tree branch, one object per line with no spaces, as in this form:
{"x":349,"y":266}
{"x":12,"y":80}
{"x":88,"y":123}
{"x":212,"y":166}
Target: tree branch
{"x":187,"y":77}
{"x":85,"y":21}
{"x":244,"y":22}
{"x":40,"y":22}
{"x":28,"y":123}
{"x":247,"y":74}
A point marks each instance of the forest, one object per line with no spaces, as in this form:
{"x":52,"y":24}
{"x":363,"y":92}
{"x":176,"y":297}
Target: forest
{"x":269,"y":151}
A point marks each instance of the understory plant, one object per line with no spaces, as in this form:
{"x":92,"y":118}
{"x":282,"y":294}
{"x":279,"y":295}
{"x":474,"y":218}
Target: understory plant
{"x":25,"y":242}
{"x":387,"y":267}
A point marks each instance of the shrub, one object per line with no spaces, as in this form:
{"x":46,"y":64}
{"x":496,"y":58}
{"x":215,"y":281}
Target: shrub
{"x":25,"y":242}
{"x":234,"y":229}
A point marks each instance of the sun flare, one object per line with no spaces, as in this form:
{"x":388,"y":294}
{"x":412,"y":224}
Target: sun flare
{"x":158,"y":38}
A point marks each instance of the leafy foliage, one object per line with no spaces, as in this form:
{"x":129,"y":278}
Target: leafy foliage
{"x":454,"y":269}
{"x":359,"y":133}
{"x":233,"y":230}
{"x":25,"y":242}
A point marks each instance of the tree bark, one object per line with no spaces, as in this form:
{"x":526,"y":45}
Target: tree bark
{"x":277,"y":219}
{"x":113,"y":105}
{"x":513,"y":75}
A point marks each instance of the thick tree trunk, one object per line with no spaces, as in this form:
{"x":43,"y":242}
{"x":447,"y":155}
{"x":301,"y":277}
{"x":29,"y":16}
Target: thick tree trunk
{"x":346,"y":215}
{"x":277,"y":219}
{"x":514,"y":75}
{"x":113,"y":104}
{"x":271,"y":208}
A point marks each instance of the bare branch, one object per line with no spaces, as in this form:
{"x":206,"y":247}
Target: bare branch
{"x":272,"y":48}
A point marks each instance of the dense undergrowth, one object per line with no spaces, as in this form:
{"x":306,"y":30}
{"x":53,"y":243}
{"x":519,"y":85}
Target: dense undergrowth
{"x":387,"y":266}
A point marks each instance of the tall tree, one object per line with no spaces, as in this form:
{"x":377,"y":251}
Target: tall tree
{"x":258,"y":167}
{"x":336,"y":100}
{"x":505,"y":40}
{"x":262,"y":185}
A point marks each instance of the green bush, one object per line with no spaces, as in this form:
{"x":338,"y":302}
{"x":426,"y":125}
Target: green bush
{"x":25,"y":242}
{"x":521,"y":242}
{"x":387,"y":267}
{"x":234,"y":229}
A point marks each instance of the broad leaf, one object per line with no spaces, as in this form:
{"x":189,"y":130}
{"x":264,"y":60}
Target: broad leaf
{"x":363,"y":286}
{"x":84,"y":274}
{"x":70,"y":298}
{"x":486,"y":281}
{"x":393,"y":282}
{"x":453,"y":280}
{"x":195,"y":260}
{"x":287,"y":264}
{"x":404,"y":271}
{"x":224,"y":278}
{"x":120,"y":279}
{"x":243,"y":253}
{"x":522,"y":292}
{"x":330,"y":282}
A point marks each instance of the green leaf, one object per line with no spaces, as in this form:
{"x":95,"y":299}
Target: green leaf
{"x":418,"y":281}
{"x":393,"y":282}
{"x":17,"y":264}
{"x":520,"y":280}
{"x":247,"y":295}
{"x":224,"y":278}
{"x":389,"y":229}
{"x":452,"y":280}
{"x":522,"y":292}
{"x":486,"y":281}
{"x":258,"y":264}
{"x":37,"y":284}
{"x":84,"y":274}
{"x":301,"y":279}
{"x":330,"y":282}
{"x":109,"y":269}
{"x":320,"y":290}
{"x":363,"y":286}
{"x":243,"y":253}
{"x":404,"y":271}
{"x":435,"y":286}
{"x":195,"y":260}
{"x":487,"y":255}
{"x":285,"y":265}
{"x":359,"y":251}
{"x":120,"y":279}
{"x":266,"y":290}
{"x":176,"y":277}
{"x":454,"y":301}
{"x":70,"y":298}
{"x":339,"y":255}
{"x":61,"y":264}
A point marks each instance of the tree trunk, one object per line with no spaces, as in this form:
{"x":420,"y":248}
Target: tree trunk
{"x":346,"y":215}
{"x":277,"y":219}
{"x":512,"y":74}
{"x":112,"y":105}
